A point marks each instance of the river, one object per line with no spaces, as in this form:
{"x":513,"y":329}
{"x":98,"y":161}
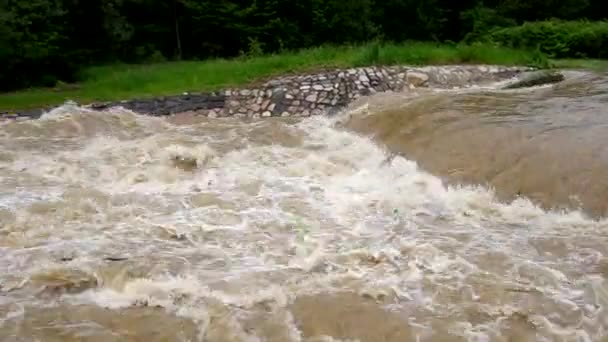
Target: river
{"x":463,"y":215}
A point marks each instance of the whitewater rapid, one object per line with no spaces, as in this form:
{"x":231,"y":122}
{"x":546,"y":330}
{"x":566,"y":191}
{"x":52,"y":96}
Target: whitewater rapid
{"x":116,"y":226}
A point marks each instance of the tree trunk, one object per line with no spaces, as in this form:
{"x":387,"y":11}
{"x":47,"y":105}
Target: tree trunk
{"x":177,"y":36}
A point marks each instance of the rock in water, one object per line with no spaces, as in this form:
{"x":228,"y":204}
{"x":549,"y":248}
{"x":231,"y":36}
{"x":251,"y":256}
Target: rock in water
{"x":536,"y":78}
{"x":417,"y":79}
{"x":188,"y":164}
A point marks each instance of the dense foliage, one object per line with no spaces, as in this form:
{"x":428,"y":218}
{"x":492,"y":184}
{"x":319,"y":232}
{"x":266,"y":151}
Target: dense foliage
{"x":556,"y":38}
{"x":43,"y":41}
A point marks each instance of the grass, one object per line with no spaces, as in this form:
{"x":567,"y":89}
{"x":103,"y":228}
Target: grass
{"x":599,"y":65}
{"x":121,"y":82}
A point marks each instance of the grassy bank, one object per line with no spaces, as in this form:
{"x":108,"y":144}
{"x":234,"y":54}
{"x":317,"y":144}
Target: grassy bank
{"x":598,"y":65}
{"x":118,"y":82}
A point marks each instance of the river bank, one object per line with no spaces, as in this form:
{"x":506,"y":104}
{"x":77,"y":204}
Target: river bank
{"x":308,"y":94}
{"x":128,"y":82}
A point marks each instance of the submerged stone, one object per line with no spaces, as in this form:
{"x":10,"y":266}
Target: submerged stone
{"x":536,"y":78}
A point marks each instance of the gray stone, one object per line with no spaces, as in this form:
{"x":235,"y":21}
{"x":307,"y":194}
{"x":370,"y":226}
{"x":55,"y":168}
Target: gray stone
{"x":317,"y":87}
{"x":212,"y":114}
{"x":255,"y":107}
{"x":311,"y":97}
{"x":228,"y":92}
{"x":305,"y":87}
{"x":272,"y":106}
{"x":285,"y":114}
{"x":289,"y":96}
{"x":295,"y":103}
{"x":317,"y":112}
{"x":305,"y":112}
{"x":265,"y":104}
{"x":259,"y":100}
{"x":234,"y":103}
{"x":417,"y":79}
{"x":267,"y":114}
{"x":268,"y":93}
{"x":245,"y":92}
{"x":255,"y":92}
{"x":274,"y":83}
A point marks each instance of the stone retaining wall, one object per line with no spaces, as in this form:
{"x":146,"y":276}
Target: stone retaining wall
{"x":313,"y":94}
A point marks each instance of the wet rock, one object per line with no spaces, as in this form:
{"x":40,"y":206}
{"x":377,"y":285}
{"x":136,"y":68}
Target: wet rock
{"x":536,"y":78}
{"x":311,"y":98}
{"x":115,"y":258}
{"x":63,"y":281}
{"x":185,"y":163}
{"x":417,"y":79}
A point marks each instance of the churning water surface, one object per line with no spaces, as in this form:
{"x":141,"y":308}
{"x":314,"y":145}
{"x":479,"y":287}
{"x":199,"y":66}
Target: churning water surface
{"x":120,"y":227}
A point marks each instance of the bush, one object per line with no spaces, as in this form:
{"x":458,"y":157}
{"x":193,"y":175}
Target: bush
{"x":558,"y":39}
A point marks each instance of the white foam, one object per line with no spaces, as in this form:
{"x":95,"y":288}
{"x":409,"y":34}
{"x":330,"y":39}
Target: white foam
{"x":329,"y":210}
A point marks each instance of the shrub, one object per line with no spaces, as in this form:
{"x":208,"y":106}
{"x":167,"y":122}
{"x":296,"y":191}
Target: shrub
{"x":558,"y":39}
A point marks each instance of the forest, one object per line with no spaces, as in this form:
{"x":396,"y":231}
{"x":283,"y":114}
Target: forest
{"x":46,"y":41}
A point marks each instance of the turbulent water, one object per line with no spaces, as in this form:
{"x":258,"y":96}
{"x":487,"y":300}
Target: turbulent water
{"x":119,"y":227}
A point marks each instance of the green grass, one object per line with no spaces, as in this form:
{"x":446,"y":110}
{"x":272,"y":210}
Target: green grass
{"x":599,"y":65}
{"x":121,"y":82}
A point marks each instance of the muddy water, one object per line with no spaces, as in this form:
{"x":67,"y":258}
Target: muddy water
{"x":549,"y":144}
{"x":118,"y":227}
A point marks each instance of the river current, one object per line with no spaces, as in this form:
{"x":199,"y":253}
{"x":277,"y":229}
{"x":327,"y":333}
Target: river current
{"x":431,"y":216}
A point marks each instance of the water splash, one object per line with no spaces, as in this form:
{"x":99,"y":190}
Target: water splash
{"x":212,"y":228}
